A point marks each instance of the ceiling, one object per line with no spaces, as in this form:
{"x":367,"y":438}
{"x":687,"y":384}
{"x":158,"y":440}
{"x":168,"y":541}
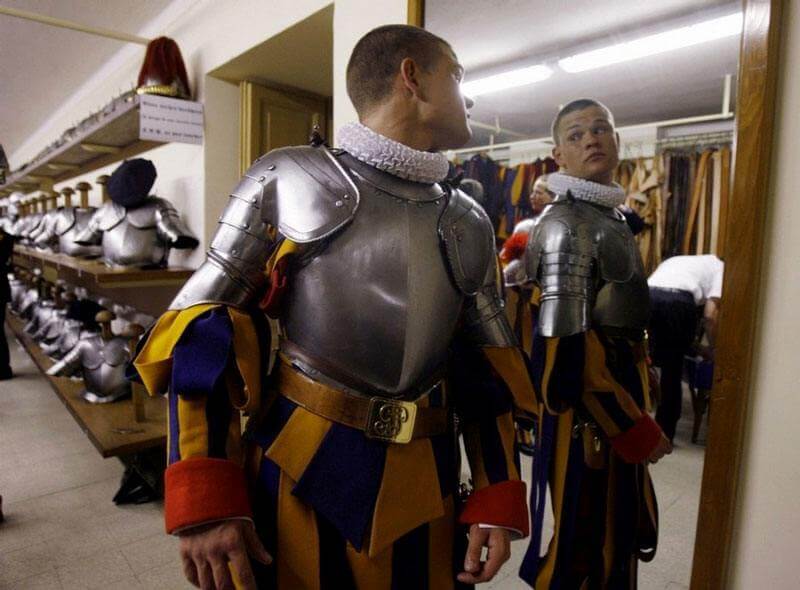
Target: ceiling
{"x":492,"y":36}
{"x":39,"y":64}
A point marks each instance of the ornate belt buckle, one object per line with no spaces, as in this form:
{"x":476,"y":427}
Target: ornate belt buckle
{"x":390,"y":420}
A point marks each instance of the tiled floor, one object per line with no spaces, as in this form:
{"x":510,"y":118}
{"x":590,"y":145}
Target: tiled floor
{"x":63,"y":532}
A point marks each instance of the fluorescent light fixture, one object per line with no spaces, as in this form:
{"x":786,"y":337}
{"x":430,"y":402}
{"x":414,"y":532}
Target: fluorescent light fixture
{"x":688,"y":36}
{"x":506,"y":80}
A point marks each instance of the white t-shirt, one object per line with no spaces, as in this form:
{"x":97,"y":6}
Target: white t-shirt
{"x":700,"y":275}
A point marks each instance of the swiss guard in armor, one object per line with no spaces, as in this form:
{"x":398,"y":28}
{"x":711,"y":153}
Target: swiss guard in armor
{"x":135,"y":228}
{"x":375,"y":270}
{"x":595,"y":433}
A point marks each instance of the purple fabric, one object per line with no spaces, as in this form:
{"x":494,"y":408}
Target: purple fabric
{"x":342,"y":481}
{"x":202,"y":353}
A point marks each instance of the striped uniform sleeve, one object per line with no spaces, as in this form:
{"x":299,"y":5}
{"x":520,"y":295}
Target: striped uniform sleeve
{"x":204,"y":480}
{"x":572,"y":372}
{"x":486,"y":407}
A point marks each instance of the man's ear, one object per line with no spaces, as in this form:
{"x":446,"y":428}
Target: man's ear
{"x":409,"y":76}
{"x":557,"y":155}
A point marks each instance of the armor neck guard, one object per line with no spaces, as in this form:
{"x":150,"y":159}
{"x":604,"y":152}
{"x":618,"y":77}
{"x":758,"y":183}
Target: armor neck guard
{"x":397,"y":187}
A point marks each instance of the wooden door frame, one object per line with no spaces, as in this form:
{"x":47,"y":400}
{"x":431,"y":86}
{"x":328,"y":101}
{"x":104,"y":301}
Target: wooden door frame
{"x":745,"y":233}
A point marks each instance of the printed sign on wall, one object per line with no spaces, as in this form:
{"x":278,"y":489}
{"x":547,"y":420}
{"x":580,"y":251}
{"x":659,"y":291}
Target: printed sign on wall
{"x":162,"y":118}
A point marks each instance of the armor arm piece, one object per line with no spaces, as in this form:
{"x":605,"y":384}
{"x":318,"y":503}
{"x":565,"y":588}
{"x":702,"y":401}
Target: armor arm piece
{"x":92,"y":234}
{"x":68,"y":365}
{"x":301,"y":191}
{"x":171,"y":228}
{"x":562,"y":263}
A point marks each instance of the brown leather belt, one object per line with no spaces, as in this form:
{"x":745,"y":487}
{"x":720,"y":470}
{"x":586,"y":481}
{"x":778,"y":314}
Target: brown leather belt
{"x":377,"y":417}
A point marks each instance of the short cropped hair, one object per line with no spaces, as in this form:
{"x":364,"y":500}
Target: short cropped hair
{"x":376,"y":60}
{"x":577,"y":105}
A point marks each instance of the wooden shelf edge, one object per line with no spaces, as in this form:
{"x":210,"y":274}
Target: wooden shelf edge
{"x":104,"y":275}
{"x":67,"y":390}
{"x":16,"y":181}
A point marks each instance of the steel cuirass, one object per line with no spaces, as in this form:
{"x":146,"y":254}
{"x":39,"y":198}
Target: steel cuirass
{"x":102,"y":365}
{"x":387,"y":271}
{"x":141,"y":236}
{"x":587,"y":265}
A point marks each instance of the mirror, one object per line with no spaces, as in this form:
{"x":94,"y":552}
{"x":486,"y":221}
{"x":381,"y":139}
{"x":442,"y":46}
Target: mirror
{"x":667,"y":71}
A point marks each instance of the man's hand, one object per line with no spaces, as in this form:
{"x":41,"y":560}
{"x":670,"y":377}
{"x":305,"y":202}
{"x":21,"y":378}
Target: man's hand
{"x":207,"y":550}
{"x":664,"y":447}
{"x":498,"y":541}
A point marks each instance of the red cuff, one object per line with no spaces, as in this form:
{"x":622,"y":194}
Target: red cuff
{"x":199,"y":490}
{"x":502,"y":504}
{"x":635,"y":444}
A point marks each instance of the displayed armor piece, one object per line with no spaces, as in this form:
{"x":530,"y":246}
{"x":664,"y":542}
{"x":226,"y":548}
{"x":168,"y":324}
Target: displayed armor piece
{"x":50,"y":327}
{"x":101,"y":359}
{"x":11,"y":217}
{"x":136,"y":237}
{"x":588,"y":267}
{"x":359,"y":305}
{"x":30,"y":297}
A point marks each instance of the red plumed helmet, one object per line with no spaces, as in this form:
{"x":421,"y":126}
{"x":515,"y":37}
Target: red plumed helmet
{"x":163,"y":71}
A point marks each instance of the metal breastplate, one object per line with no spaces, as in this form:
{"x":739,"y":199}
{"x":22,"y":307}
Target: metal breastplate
{"x":128,"y":245}
{"x":590,"y":272}
{"x":376,"y":300}
{"x":622,"y":304}
{"x":104,"y":370}
{"x":70,"y":223}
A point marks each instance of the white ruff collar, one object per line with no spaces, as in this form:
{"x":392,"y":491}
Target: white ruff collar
{"x":391,"y":156}
{"x":586,"y":190}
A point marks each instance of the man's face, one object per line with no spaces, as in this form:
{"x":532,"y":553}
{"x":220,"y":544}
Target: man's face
{"x":540,"y":198}
{"x":444,"y":110}
{"x":588,"y":146}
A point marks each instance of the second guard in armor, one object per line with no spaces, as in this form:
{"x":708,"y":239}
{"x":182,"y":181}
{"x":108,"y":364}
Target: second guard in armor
{"x":374,"y":268}
{"x":595,"y":435}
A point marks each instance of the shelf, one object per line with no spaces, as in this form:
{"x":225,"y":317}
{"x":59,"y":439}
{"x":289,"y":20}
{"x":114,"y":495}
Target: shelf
{"x":98,"y":272}
{"x":149,"y":291}
{"x":111,"y":427}
{"x":113,"y":137}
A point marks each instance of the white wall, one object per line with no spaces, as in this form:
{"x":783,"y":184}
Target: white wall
{"x":209,"y":34}
{"x":766,"y":543}
{"x":197,"y":179}
{"x":351,"y":20}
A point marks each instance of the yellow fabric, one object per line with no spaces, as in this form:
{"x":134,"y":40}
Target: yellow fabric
{"x":557,"y":485}
{"x":510,"y":365}
{"x":598,"y":381}
{"x":518,"y":185}
{"x":551,"y":347}
{"x":474,"y":452}
{"x":154,"y":361}
{"x":440,"y":549}
{"x":248,"y":361}
{"x":409,"y":494}
{"x":193,"y":438}
{"x":287,"y":247}
{"x":298,"y":442}
{"x":370,"y":573}
{"x":508,"y":436}
{"x":297,"y":559}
